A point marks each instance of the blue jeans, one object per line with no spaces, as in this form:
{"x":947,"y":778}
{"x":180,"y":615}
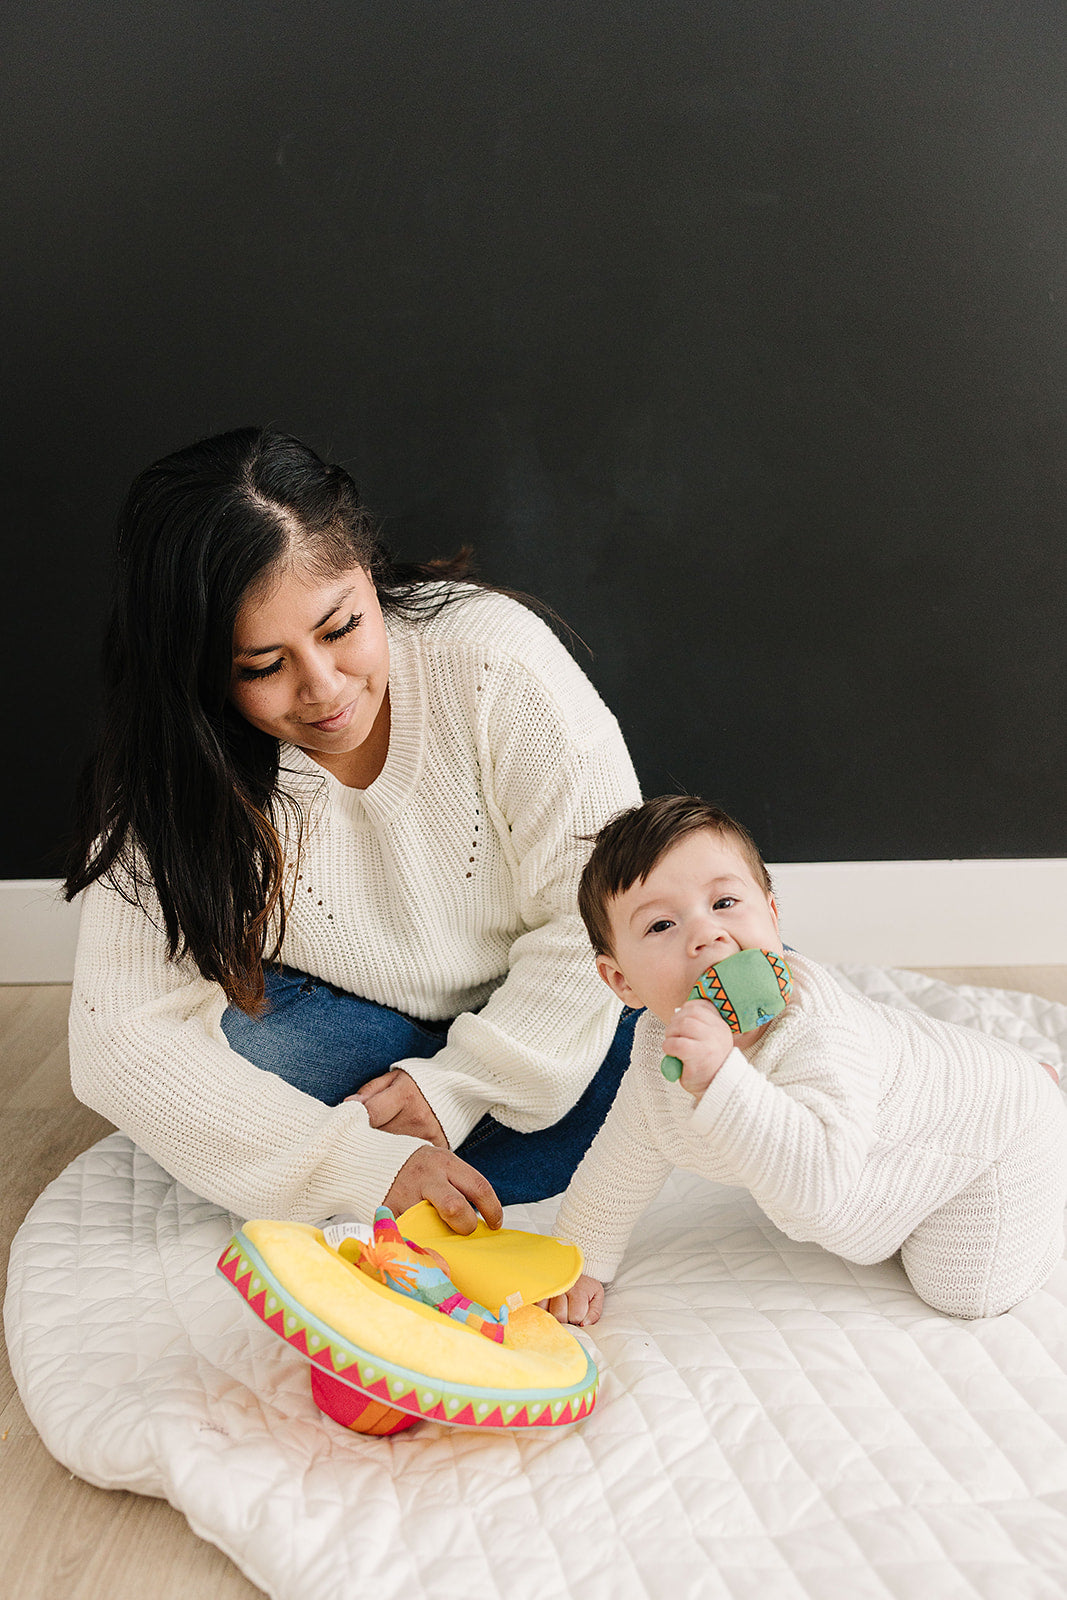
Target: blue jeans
{"x":329,"y":1043}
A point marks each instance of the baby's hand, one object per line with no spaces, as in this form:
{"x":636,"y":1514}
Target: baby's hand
{"x":582,"y":1303}
{"x":701,"y":1039}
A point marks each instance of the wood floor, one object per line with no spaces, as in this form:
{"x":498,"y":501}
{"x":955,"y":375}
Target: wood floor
{"x":60,"y":1538}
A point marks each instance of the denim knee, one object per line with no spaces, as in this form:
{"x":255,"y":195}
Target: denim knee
{"x":324,"y":1040}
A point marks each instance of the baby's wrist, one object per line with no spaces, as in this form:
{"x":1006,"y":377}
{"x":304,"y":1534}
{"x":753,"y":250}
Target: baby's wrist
{"x":698,"y":1078}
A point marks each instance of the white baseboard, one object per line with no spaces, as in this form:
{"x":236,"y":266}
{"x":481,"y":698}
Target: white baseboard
{"x":888,"y":913}
{"x":926,"y":913}
{"x":38,"y":932}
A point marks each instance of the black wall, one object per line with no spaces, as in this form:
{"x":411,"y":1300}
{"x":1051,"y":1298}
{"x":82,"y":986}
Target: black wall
{"x":735,"y":331}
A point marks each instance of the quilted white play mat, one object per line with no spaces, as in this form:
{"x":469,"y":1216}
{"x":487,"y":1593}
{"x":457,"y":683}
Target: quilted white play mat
{"x":771,"y":1423}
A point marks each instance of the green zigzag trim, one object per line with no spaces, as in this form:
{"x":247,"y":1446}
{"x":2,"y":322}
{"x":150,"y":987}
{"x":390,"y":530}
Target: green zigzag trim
{"x":340,"y":1357}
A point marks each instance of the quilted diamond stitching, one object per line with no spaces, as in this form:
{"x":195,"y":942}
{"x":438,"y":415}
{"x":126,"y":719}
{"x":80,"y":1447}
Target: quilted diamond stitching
{"x":772,"y":1421}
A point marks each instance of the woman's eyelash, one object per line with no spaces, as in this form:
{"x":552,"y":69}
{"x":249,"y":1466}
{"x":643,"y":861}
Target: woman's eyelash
{"x":260,"y":672}
{"x":275,"y":666}
{"x":339,"y":633}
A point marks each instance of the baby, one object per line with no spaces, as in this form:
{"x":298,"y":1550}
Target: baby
{"x":865,"y":1128}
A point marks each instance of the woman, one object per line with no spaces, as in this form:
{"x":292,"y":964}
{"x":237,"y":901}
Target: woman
{"x":329,"y":954}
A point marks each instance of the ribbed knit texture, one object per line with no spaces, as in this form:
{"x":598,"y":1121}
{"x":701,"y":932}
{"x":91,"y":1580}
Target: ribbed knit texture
{"x":448,"y":885}
{"x":851,"y":1123}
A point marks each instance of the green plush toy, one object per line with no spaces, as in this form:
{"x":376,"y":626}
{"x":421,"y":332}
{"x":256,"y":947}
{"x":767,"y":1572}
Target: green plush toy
{"x":747,"y":989}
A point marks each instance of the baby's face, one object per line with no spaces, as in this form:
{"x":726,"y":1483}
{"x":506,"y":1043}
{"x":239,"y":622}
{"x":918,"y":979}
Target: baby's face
{"x":698,"y":905}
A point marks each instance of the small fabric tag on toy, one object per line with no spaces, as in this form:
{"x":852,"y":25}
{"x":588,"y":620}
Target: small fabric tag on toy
{"x":748,"y":989}
{"x":335,"y":1233}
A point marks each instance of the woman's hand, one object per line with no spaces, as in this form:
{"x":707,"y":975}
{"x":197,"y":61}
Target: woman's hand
{"x":453,"y":1188}
{"x":582,"y":1303}
{"x":395,"y":1104}
{"x":701,"y":1040}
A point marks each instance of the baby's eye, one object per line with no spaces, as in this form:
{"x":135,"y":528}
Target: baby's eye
{"x":725,"y":902}
{"x":661,"y":925}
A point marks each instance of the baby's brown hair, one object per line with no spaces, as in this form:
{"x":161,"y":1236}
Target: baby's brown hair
{"x":629,"y":846}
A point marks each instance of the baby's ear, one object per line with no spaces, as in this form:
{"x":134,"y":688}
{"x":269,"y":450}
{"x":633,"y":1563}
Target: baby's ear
{"x":615,"y":979}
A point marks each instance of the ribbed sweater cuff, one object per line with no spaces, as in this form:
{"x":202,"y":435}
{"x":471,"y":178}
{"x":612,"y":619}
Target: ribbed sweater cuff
{"x":360,"y":1178}
{"x":453,"y":1109}
{"x":603,"y":1269}
{"x":712,"y":1102}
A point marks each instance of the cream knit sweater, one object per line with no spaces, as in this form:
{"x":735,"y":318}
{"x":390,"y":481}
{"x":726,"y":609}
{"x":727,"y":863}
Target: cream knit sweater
{"x":447,"y":885}
{"x":848,"y":1121}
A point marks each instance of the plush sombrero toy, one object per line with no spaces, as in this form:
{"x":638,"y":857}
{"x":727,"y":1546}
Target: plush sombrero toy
{"x":398,"y":1327}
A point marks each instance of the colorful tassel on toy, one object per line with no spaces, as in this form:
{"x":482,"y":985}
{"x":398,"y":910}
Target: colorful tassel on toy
{"x":421,"y":1274}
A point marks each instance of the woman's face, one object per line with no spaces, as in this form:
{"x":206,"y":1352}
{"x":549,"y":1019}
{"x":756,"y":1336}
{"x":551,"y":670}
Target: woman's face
{"x":311,"y":663}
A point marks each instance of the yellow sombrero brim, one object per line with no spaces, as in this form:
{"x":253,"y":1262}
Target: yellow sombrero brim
{"x":489,"y":1264}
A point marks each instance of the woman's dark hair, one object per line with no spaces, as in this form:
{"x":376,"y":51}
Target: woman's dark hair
{"x":182,"y":795}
